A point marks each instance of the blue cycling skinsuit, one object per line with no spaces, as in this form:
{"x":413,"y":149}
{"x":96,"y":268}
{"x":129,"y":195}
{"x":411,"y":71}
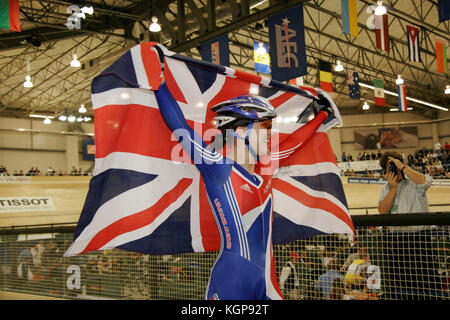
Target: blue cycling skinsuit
{"x":242,"y":205}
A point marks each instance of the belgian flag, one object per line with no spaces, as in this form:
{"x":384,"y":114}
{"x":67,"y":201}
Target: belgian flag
{"x":9,"y":15}
{"x":326,"y":82}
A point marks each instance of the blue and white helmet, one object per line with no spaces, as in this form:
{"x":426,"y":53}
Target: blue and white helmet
{"x":242,"y":110}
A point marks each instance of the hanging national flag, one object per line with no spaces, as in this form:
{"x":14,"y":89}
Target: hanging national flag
{"x":349,"y":17}
{"x":444,"y":10}
{"x":261,"y":57}
{"x":287,"y":44}
{"x":296,"y":81}
{"x":413,"y":43}
{"x":379,"y":92}
{"x":143,"y":199}
{"x":382,"y":32}
{"x":9,"y":15}
{"x":441,"y":56}
{"x":326,"y":81}
{"x":353,"y":85}
{"x":401,"y":91}
{"x":216,"y":51}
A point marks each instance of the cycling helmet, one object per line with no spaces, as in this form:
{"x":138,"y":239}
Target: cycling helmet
{"x":242,"y":110}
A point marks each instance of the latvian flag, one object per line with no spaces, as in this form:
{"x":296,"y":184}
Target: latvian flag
{"x":9,"y":15}
{"x":382,"y":32}
{"x":413,"y":43}
{"x":379,"y":92}
{"x":401,"y":91}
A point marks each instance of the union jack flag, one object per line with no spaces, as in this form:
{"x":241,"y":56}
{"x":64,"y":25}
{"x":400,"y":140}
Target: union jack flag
{"x":141,"y":199}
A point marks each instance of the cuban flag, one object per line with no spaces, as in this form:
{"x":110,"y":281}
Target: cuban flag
{"x":401,"y":91}
{"x":147,"y":196}
{"x":413,"y":43}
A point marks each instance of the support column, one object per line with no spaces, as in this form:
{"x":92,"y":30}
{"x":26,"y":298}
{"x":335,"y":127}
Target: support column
{"x":435,"y":133}
{"x":71,"y":152}
{"x":335,"y":140}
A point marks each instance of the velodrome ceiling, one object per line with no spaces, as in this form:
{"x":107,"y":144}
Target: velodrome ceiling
{"x":117,"y":25}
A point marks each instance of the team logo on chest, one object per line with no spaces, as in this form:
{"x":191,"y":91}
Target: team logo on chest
{"x":246,"y":187}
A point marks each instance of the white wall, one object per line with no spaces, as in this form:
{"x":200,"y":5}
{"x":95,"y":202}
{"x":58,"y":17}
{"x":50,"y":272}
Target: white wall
{"x":23,"y":150}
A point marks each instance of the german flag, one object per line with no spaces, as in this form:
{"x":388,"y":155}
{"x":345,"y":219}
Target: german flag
{"x":326,"y":82}
{"x":9,"y":15}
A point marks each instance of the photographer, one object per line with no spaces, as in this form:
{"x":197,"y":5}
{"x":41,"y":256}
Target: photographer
{"x":405,"y":190}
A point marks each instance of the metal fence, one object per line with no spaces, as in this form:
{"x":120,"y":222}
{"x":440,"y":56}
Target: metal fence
{"x":403,"y":257}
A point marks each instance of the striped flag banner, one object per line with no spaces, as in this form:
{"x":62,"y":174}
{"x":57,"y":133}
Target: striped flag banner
{"x":379,"y":92}
{"x":441,"y":56}
{"x":9,"y":15}
{"x":382,"y":32}
{"x":401,"y":91}
{"x":413,"y":43}
{"x":326,"y":81}
{"x":349,"y":17}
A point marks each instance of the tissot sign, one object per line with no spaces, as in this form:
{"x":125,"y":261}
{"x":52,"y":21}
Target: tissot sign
{"x":26,"y":204}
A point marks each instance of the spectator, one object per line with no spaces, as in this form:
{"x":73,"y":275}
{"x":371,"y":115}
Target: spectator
{"x":325,"y":281}
{"x":437,"y":146}
{"x":337,"y":291}
{"x":289,"y":281}
{"x":343,"y":157}
{"x":404,"y":192}
{"x":447,"y":146}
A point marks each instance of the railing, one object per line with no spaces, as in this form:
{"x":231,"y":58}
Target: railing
{"x":396,"y":257}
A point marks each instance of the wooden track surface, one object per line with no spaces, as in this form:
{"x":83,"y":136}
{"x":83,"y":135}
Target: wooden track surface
{"x":68,"y":195}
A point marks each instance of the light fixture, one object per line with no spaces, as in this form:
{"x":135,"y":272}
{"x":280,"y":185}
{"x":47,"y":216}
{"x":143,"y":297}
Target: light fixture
{"x":82,"y":109}
{"x":87,"y":119}
{"x":155,"y":27}
{"x":75,"y":63}
{"x":28,"y":83}
{"x":380,"y":10}
{"x":71,"y":118}
{"x":88,"y":10}
{"x":338,"y":67}
{"x":47,"y":121}
{"x":80,"y":119}
{"x":447,"y":89}
{"x":399,"y":80}
{"x":62,"y":117}
{"x":41,"y":116}
{"x":366,"y":106}
{"x":396,"y":109}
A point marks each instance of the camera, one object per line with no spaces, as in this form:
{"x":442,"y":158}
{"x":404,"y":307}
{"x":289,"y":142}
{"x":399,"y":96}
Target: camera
{"x":393,"y":168}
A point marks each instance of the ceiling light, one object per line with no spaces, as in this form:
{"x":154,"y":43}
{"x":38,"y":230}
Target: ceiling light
{"x":47,"y":121}
{"x":396,"y":109}
{"x":380,"y":10}
{"x":80,"y":119}
{"x":447,"y":89}
{"x":75,"y":63}
{"x":41,"y":116}
{"x":155,"y":27}
{"x":87,"y":119}
{"x":82,"y":109}
{"x":399,"y":80}
{"x":62,"y":117}
{"x":71,"y":118}
{"x":366,"y":106}
{"x":338,"y":67}
{"x":28,"y":83}
{"x":88,"y":10}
